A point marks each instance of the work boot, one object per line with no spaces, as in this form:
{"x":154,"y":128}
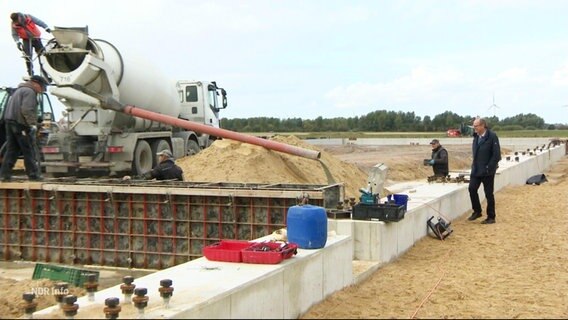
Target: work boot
{"x":488,"y":221}
{"x":36,"y":178}
{"x":474,"y":216}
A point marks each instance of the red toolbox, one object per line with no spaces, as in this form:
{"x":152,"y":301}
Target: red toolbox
{"x":269,"y":252}
{"x":226,"y":250}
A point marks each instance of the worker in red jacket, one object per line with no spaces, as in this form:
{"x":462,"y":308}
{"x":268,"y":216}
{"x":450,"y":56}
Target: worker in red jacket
{"x":25,"y":27}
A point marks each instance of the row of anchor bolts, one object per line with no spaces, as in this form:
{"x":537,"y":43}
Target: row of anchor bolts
{"x":112,"y":305}
{"x":508,"y":158}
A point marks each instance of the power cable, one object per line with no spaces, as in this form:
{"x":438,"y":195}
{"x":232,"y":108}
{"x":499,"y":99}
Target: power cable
{"x":413,"y":316}
{"x":446,"y":258}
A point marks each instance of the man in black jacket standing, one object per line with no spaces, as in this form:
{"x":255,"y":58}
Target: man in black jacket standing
{"x":21,"y":116}
{"x":486,"y":157}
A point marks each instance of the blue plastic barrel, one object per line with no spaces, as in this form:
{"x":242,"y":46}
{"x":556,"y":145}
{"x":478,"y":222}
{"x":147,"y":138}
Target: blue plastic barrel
{"x":307,"y":226}
{"x":401,"y":200}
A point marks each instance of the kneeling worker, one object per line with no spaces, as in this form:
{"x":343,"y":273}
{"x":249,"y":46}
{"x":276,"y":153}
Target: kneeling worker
{"x":439,"y":159}
{"x":165,"y":170}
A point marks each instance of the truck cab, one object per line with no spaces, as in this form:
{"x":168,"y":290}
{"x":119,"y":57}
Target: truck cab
{"x":200,"y":103}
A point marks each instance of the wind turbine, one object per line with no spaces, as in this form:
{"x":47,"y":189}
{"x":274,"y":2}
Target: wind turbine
{"x":494,"y":106}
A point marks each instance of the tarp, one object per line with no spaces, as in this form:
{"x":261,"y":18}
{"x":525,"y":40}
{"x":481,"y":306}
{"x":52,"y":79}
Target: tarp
{"x":537,"y":179}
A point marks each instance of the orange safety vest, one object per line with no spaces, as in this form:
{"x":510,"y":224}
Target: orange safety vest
{"x":27,"y":29}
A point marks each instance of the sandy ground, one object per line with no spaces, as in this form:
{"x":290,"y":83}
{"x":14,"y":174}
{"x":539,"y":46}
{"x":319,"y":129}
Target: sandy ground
{"x":513,"y":269}
{"x":16,"y":279}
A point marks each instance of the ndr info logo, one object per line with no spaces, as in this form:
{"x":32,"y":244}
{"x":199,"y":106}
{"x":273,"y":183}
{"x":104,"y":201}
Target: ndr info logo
{"x":46,"y":291}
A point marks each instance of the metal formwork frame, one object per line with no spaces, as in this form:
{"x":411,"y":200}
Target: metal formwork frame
{"x":141,"y":224}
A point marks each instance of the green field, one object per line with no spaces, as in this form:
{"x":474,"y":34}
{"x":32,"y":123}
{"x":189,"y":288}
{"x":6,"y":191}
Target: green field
{"x":331,"y":135}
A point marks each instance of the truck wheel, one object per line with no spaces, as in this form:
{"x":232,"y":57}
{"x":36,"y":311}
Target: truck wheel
{"x":157,"y":146}
{"x":142,"y":161}
{"x":192,"y":148}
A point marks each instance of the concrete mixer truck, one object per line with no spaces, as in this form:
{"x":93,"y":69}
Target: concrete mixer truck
{"x":99,"y":141}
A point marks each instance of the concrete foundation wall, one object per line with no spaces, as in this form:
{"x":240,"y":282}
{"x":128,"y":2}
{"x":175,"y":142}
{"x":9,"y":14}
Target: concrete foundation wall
{"x":206,"y":289}
{"x":209,"y":289}
{"x":384,"y":241}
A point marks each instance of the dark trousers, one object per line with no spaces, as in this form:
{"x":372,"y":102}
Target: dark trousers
{"x":17,"y":142}
{"x":28,"y":44}
{"x":439,"y":173}
{"x":488,"y":184}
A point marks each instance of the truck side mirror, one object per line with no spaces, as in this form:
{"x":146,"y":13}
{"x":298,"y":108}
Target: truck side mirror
{"x":224,"y":94}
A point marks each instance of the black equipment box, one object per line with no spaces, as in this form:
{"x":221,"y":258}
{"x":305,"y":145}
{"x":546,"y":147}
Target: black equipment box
{"x":338,"y":214}
{"x":383,"y":212}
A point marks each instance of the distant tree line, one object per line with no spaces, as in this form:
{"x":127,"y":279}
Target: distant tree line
{"x":384,"y":121}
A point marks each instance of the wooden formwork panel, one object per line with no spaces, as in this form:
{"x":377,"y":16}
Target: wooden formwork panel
{"x":150,"y":226}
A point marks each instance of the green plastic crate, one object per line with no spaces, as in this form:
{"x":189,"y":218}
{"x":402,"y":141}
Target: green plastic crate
{"x":74,"y":276}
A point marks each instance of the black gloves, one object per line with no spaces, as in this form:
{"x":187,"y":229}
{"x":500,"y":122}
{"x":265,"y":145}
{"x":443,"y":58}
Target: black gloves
{"x":19,"y":45}
{"x":47,"y":30}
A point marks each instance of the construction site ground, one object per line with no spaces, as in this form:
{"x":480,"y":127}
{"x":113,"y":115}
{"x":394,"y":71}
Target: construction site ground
{"x":512,"y":269}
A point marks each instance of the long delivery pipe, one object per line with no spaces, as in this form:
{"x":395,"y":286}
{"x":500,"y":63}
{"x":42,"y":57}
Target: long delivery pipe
{"x":198,"y":127}
{"x":113,"y":104}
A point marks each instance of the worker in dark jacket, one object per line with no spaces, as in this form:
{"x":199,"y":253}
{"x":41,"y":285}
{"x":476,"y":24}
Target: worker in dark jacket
{"x":486,"y":156}
{"x":439,"y":159}
{"x":165,"y":170}
{"x":20,"y":117}
{"x":25,"y":27}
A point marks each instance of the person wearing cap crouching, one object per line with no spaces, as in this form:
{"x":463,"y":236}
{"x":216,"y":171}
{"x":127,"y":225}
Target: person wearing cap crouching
{"x":20,"y":117}
{"x":439,"y":159}
{"x":165,"y":170}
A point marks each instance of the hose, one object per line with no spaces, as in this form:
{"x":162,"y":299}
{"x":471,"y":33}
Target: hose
{"x":446,"y":257}
{"x":413,"y":316}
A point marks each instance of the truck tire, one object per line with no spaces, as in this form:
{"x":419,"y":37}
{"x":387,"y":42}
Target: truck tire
{"x":142,"y":161}
{"x":192,"y":148}
{"x":157,"y":146}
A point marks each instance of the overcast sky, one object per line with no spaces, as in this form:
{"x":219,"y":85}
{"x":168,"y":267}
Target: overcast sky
{"x":311,"y":58}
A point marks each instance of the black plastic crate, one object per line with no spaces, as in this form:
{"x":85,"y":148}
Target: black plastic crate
{"x":383,"y":212}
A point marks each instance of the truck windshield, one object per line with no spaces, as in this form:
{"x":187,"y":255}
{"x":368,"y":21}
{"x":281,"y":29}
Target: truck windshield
{"x":44,"y":110}
{"x":4,"y":95}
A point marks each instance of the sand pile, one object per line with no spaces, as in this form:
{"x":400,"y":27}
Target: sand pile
{"x":234,"y":161}
{"x":12,"y":304}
